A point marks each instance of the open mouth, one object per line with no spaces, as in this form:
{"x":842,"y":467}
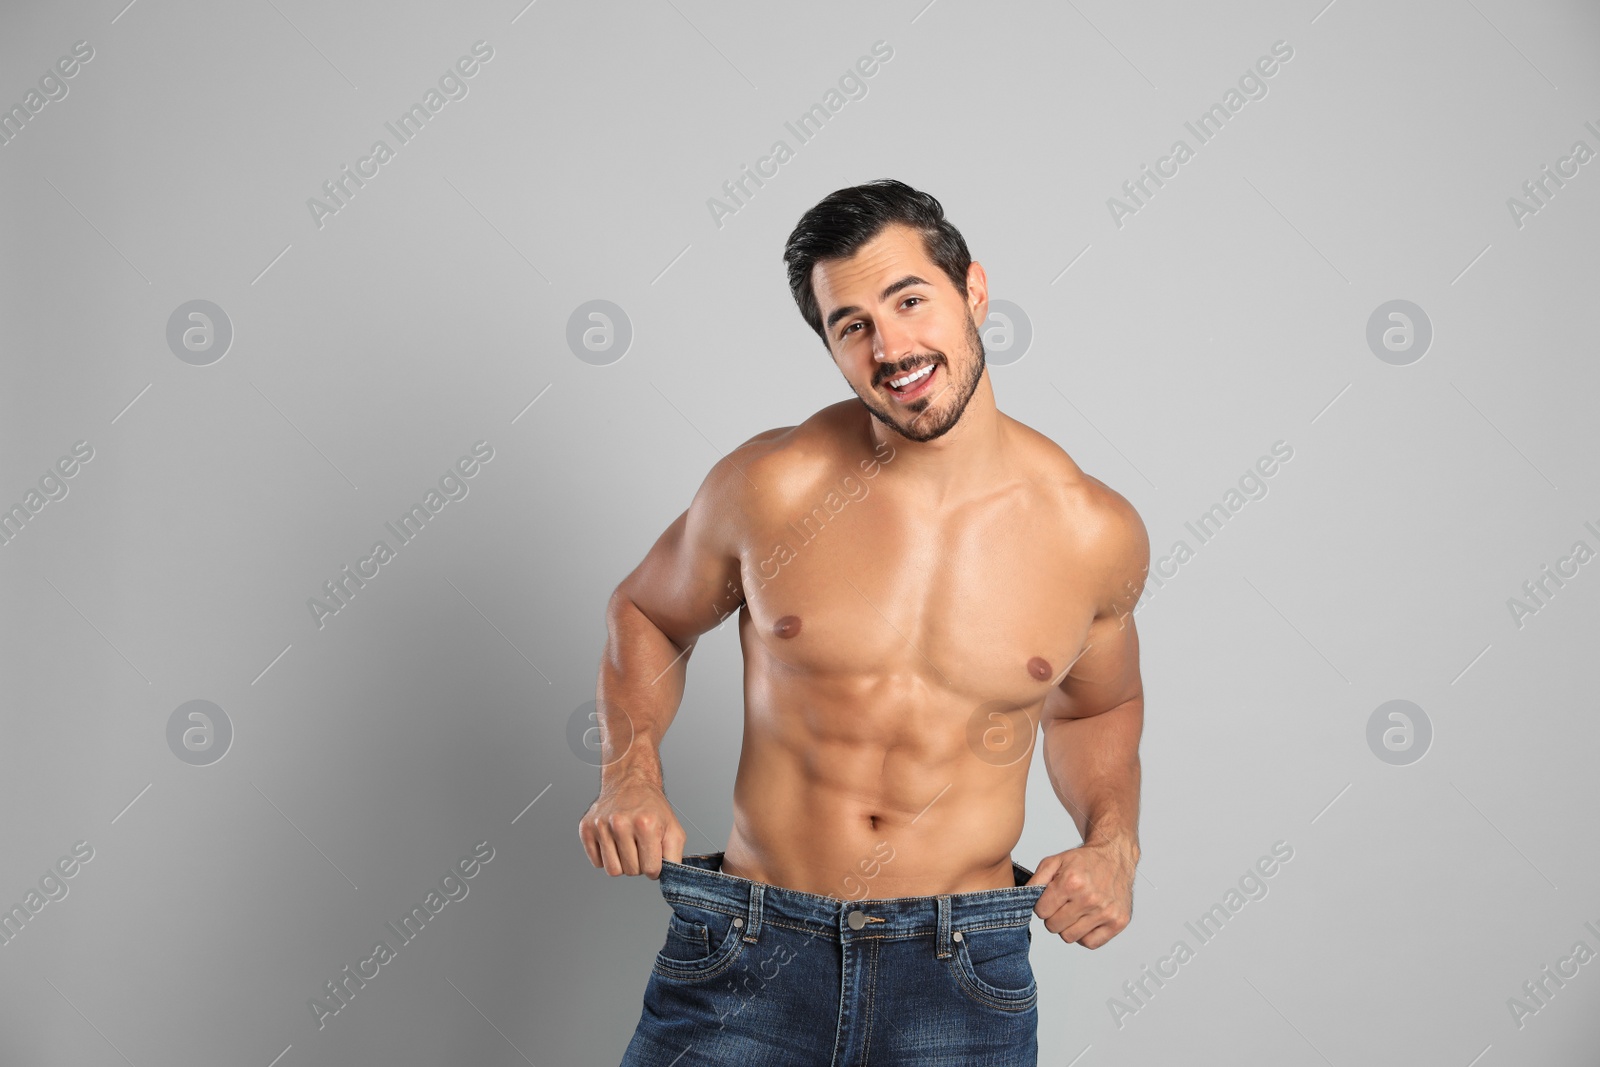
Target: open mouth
{"x":914,"y":383}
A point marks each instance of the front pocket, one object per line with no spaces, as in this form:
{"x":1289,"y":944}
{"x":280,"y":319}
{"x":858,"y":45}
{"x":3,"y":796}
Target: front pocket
{"x":687,"y":941}
{"x":992,"y":967}
{"x":701,"y":943}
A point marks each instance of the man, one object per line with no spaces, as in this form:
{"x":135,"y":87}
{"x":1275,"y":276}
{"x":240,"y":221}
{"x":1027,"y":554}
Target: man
{"x":902,"y":645}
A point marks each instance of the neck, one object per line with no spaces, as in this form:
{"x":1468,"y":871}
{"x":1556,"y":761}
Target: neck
{"x":967,"y":460}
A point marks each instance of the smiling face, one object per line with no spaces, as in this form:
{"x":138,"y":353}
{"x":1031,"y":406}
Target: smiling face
{"x":888,"y":312}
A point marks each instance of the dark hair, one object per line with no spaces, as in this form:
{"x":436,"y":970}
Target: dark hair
{"x":846,"y":219}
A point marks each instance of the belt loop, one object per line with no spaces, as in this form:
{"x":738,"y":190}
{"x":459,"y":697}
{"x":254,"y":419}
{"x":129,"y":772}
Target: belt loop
{"x":942,"y":941}
{"x":752,"y":927}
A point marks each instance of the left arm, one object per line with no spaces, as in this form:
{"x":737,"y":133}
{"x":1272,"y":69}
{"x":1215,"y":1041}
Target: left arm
{"x":1092,"y":722}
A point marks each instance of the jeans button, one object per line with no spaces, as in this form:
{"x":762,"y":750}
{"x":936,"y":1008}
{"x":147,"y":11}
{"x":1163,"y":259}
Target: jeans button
{"x":956,"y":936}
{"x":857,"y":919}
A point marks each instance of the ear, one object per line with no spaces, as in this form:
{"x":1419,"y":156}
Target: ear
{"x":977,"y":292}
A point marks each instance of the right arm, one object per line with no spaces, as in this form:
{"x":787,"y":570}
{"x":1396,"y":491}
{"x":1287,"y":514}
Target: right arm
{"x":685,"y":586}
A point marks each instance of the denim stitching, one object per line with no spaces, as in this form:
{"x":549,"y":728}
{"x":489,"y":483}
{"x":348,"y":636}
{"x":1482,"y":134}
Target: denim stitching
{"x":698,"y":932}
{"x":767,"y":920}
{"x":872,"y":998}
{"x":815,"y":931}
{"x":696,"y":902}
{"x":690,"y":974}
{"x":1019,"y":890}
{"x":974,"y":992}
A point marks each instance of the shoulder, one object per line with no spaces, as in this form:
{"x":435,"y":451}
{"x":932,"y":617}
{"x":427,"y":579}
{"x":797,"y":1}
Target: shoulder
{"x":1101,"y":527}
{"x":784,"y":463}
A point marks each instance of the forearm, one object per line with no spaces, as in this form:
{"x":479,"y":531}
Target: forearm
{"x":1093,"y":763}
{"x":641,"y":683}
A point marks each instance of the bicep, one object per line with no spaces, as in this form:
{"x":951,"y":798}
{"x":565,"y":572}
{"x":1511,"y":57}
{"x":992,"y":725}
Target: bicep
{"x":1106,"y":673}
{"x":689,"y":581}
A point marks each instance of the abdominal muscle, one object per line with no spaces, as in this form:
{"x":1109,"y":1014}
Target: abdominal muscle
{"x":836,"y":813}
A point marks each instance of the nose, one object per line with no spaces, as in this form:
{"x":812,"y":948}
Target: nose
{"x":893,"y":343}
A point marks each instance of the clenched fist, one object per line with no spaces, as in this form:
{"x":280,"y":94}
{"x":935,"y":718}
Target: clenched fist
{"x":1088,"y":895}
{"x":629,"y":828}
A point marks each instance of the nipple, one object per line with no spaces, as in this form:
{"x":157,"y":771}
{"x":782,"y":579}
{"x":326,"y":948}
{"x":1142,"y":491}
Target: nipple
{"x":1039,"y":667}
{"x":788,"y":626}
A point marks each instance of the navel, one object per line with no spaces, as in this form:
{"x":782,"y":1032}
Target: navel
{"x":1039,"y":667}
{"x":788,"y":626}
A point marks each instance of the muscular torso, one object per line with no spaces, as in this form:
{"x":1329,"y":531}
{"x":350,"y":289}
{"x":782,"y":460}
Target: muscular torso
{"x":898,"y":651}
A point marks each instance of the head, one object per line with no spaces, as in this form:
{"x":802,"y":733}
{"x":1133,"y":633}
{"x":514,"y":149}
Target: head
{"x":886,"y":282}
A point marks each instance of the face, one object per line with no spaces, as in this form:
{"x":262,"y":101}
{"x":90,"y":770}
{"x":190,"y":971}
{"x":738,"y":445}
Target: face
{"x":889,"y":311}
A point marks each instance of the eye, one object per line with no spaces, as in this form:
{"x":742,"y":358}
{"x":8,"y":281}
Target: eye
{"x":847,"y":330}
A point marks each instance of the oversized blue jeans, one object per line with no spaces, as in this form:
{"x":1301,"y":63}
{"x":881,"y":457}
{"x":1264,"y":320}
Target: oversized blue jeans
{"x":756,"y":975}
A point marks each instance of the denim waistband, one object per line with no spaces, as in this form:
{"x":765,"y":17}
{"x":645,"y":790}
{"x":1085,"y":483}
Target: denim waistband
{"x":699,"y":881}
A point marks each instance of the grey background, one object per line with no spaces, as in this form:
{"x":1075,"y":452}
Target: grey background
{"x":428,"y":314}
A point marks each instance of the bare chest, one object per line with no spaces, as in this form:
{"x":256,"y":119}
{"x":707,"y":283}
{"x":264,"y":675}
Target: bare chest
{"x":984,"y":604}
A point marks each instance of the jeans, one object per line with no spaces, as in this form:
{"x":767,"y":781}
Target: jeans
{"x":756,"y":975}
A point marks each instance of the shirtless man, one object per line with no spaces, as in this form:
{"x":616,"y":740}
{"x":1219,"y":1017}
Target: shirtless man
{"x":902,"y":644}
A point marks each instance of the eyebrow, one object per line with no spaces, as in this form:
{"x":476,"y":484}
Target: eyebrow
{"x":894,"y":287}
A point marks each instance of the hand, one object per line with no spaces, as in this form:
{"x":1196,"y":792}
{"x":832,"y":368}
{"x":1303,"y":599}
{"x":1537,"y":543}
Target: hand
{"x":629,"y":828}
{"x":1088,"y":895}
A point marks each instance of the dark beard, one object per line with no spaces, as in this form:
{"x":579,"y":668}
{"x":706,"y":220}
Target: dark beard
{"x":929,"y":428}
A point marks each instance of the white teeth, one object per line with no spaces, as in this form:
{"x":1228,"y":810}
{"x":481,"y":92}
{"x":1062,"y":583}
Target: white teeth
{"x":901,"y":383}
